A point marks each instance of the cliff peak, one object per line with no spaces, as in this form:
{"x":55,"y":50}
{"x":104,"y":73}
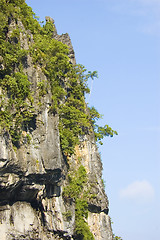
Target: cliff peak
{"x":50,"y":170}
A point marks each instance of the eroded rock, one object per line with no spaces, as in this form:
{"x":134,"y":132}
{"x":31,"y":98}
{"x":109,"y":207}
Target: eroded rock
{"x":32,"y":177}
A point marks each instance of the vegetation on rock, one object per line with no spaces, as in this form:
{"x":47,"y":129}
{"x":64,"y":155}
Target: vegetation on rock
{"x":68,"y":82}
{"x":68,"y":86}
{"x":117,"y":238}
{"x":78,"y":191}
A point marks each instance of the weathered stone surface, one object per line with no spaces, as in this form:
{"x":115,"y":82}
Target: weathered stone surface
{"x":100,"y":226}
{"x":32,"y":177}
{"x":65,"y":38}
{"x":89,"y":155}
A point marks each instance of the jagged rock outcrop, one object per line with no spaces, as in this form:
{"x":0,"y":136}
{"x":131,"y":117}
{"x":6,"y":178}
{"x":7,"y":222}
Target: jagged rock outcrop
{"x":33,"y":176}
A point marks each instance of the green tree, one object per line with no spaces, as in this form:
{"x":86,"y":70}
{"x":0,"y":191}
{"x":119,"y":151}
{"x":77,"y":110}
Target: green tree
{"x":68,"y":82}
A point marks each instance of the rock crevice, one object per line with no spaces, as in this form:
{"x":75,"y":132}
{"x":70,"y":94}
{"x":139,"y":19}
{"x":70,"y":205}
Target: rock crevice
{"x":33,"y":176}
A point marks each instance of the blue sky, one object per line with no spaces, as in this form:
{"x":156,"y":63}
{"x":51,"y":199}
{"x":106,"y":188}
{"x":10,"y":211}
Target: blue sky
{"x":121,"y":40}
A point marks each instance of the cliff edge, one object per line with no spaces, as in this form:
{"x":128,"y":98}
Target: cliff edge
{"x":50,"y":170}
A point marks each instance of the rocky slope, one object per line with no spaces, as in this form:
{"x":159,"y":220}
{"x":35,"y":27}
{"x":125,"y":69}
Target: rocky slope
{"x":36,"y":201}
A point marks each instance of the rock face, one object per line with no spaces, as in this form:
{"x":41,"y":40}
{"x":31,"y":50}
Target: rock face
{"x":33,"y":176}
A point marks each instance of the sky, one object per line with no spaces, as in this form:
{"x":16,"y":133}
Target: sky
{"x":121,"y":40}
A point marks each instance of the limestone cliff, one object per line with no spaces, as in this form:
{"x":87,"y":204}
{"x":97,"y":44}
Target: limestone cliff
{"x":35,"y":172}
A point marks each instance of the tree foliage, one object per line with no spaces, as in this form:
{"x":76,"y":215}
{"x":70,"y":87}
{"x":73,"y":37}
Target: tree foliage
{"x":116,"y":237}
{"x":68,"y":82}
{"x":76,"y":190}
{"x":99,"y":131}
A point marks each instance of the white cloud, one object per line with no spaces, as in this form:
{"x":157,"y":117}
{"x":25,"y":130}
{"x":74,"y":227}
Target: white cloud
{"x":139,"y":191}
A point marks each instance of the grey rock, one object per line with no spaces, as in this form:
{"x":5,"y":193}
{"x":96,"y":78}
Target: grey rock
{"x":65,"y":38}
{"x":32,"y":177}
